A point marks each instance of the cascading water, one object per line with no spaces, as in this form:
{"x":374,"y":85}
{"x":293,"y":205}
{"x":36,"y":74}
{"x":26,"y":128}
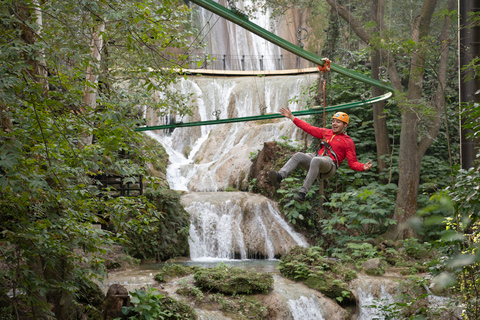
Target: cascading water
{"x":234,"y":47}
{"x":213,"y":158}
{"x":241,"y":225}
{"x":373,"y":295}
{"x":304,"y":303}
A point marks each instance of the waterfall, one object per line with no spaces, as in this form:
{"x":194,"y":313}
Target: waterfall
{"x":209,"y":159}
{"x":374,"y":294}
{"x":234,"y":47}
{"x":232,"y":225}
{"x":212,"y":158}
{"x":304,"y":303}
{"x":305,"y":309}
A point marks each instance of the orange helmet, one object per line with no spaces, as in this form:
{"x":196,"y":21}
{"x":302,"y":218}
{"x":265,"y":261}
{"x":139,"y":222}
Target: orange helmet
{"x":342,"y":116}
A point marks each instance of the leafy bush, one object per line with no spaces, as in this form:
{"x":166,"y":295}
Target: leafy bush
{"x":294,"y":211}
{"x":354,"y":253}
{"x":233,"y":280}
{"x":151,"y":304}
{"x":360,"y":213}
{"x":460,"y":239}
{"x":158,"y":228}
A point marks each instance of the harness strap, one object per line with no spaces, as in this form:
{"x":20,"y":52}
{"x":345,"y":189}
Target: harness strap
{"x":325,"y":152}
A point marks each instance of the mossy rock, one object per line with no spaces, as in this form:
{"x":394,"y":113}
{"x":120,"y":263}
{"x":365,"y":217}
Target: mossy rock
{"x":89,"y":292}
{"x":174,"y":271}
{"x":330,"y":288}
{"x":232,"y":280}
{"x":375,"y":272}
{"x":328,"y":276}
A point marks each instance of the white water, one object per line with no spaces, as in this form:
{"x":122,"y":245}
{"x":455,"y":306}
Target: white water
{"x":223,"y":160}
{"x":223,"y":37}
{"x":373,"y":293}
{"x":228,"y":225}
{"x":305,"y":308}
{"x":304,"y":303}
{"x":212,"y":236}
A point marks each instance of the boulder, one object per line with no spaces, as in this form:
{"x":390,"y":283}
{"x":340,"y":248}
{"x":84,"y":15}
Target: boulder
{"x":373,"y":267}
{"x":117,"y":297}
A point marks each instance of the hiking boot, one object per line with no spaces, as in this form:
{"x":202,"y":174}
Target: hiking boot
{"x":275,"y":179}
{"x":300,"y":197}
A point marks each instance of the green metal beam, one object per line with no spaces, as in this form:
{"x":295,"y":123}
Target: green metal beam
{"x":243,"y":21}
{"x":271,"y":115}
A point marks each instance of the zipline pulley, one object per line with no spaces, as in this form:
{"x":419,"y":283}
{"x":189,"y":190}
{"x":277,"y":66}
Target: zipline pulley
{"x":382,"y":73}
{"x":326,"y":65}
{"x":216,"y":113}
{"x":299,"y":36}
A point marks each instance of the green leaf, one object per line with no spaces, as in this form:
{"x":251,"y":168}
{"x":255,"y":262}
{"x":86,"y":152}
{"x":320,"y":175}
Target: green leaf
{"x":372,"y":221}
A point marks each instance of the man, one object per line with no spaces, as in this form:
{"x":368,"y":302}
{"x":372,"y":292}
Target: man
{"x":335,"y":147}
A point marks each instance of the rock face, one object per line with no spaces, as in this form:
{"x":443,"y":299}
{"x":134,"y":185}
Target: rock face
{"x":237,"y":225}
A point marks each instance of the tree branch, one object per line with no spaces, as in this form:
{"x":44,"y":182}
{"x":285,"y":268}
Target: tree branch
{"x":356,"y":26}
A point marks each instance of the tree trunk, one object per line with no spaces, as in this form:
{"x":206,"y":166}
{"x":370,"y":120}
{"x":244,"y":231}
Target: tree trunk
{"x":409,"y":169}
{"x":33,"y":16}
{"x":410,"y":157}
{"x":379,"y":117}
{"x":91,"y":78}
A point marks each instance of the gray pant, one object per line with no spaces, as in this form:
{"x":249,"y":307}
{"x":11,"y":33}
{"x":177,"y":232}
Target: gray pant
{"x":315,"y":165}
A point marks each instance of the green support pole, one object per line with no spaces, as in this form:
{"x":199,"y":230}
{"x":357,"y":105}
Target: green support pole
{"x":269,"y":116}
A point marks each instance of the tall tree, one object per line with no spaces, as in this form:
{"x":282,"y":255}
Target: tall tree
{"x":379,"y":118}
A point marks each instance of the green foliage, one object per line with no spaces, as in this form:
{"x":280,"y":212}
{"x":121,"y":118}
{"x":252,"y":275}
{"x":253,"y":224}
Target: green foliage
{"x":238,"y":306}
{"x":153,"y":226}
{"x":191,"y":292}
{"x":360,"y":213}
{"x":172,"y":270}
{"x":233,"y":280}
{"x":293,"y":210}
{"x":151,"y":304}
{"x":49,"y":197}
{"x":308,"y":265}
{"x":457,"y":210}
{"x":355,"y":253}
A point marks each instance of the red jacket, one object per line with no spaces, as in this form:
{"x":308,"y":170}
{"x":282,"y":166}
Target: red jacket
{"x":341,"y":144}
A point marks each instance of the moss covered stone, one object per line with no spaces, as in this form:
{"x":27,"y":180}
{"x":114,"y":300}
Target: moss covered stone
{"x":171,"y":270}
{"x":328,"y":276}
{"x":232,"y":280}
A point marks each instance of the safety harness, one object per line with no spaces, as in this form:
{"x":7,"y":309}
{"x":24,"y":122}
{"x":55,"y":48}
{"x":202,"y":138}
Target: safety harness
{"x":327,"y":148}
